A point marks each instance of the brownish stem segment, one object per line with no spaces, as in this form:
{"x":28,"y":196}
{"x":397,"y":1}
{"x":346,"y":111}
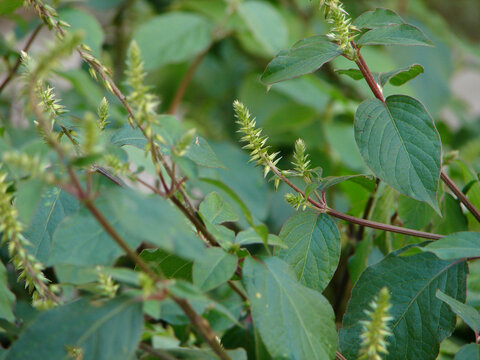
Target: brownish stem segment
{"x":162,"y":355}
{"x":182,"y":88}
{"x":362,"y":65}
{"x":203,"y":327}
{"x":460,"y":195}
{"x":339,"y":356}
{"x":381,"y":226}
{"x":15,"y":67}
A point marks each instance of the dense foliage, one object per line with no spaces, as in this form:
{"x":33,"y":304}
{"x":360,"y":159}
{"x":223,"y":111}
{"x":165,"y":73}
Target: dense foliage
{"x":135,"y":227}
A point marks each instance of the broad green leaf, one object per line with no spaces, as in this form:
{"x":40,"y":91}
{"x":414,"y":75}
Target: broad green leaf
{"x":153,"y":219}
{"x":456,"y":246}
{"x":214,"y":268}
{"x":55,"y":205}
{"x":100,"y":330}
{"x":453,"y":219}
{"x":202,"y":154}
{"x":313,"y":248}
{"x":399,"y":142}
{"x":468,"y":352}
{"x":420,"y":320}
{"x":29,"y":194}
{"x":266,"y":25}
{"x":400,"y":76}
{"x":183,"y":36}
{"x":403,"y":34}
{"x":9,"y":6}
{"x":169,"y":265}
{"x":7,"y":298}
{"x":80,"y":20}
{"x":377,"y":18}
{"x":295,"y":322}
{"x":305,"y":57}
{"x":215,"y":210}
{"x":250,"y":236}
{"x":414,"y":214}
{"x":468,"y":313}
{"x":80,"y":240}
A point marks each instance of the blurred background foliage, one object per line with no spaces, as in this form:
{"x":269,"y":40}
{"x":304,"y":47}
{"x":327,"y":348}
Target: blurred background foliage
{"x":221,"y":47}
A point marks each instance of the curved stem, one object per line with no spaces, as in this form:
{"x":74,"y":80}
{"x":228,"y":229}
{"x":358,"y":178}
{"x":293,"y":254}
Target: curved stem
{"x":382,"y":226}
{"x":460,"y":195}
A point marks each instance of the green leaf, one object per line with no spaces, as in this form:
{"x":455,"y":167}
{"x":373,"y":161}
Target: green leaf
{"x":29,"y":195}
{"x":169,"y":265}
{"x":7,"y":299}
{"x":250,"y":236}
{"x":202,"y":154}
{"x":103,"y":331}
{"x":399,"y":142}
{"x":377,"y":18}
{"x":80,"y":240}
{"x":82,"y":21}
{"x":453,"y":219}
{"x":403,"y":34}
{"x":55,"y":205}
{"x":9,"y":6}
{"x":215,"y":210}
{"x":355,"y":74}
{"x":468,"y":352}
{"x":305,"y":57}
{"x":414,"y":214}
{"x":468,"y":313}
{"x":183,"y":36}
{"x":400,"y":76}
{"x":456,"y":246}
{"x":295,"y":322}
{"x":266,"y":25}
{"x":153,"y":219}
{"x":420,"y":320}
{"x":328,"y":181}
{"x":313,"y":248}
{"x":214,"y":268}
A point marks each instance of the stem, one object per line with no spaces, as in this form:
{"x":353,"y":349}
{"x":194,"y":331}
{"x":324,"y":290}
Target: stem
{"x":460,"y":195}
{"x":381,"y":226}
{"x":362,"y":65}
{"x":15,"y":67}
{"x":204,"y":327}
{"x":120,"y":242}
{"x":162,"y":355}
{"x":339,"y":356}
{"x":182,"y":88}
{"x":363,"y":222}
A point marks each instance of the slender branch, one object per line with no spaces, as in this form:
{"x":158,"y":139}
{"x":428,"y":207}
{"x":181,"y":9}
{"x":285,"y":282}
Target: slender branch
{"x":162,"y":355}
{"x":15,"y":67}
{"x":203,"y":327}
{"x":237,"y":290}
{"x":363,"y":222}
{"x":460,"y":195}
{"x":339,"y":356}
{"x":366,"y":211}
{"x":362,"y":65}
{"x":182,"y":88}
{"x":381,"y":226}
